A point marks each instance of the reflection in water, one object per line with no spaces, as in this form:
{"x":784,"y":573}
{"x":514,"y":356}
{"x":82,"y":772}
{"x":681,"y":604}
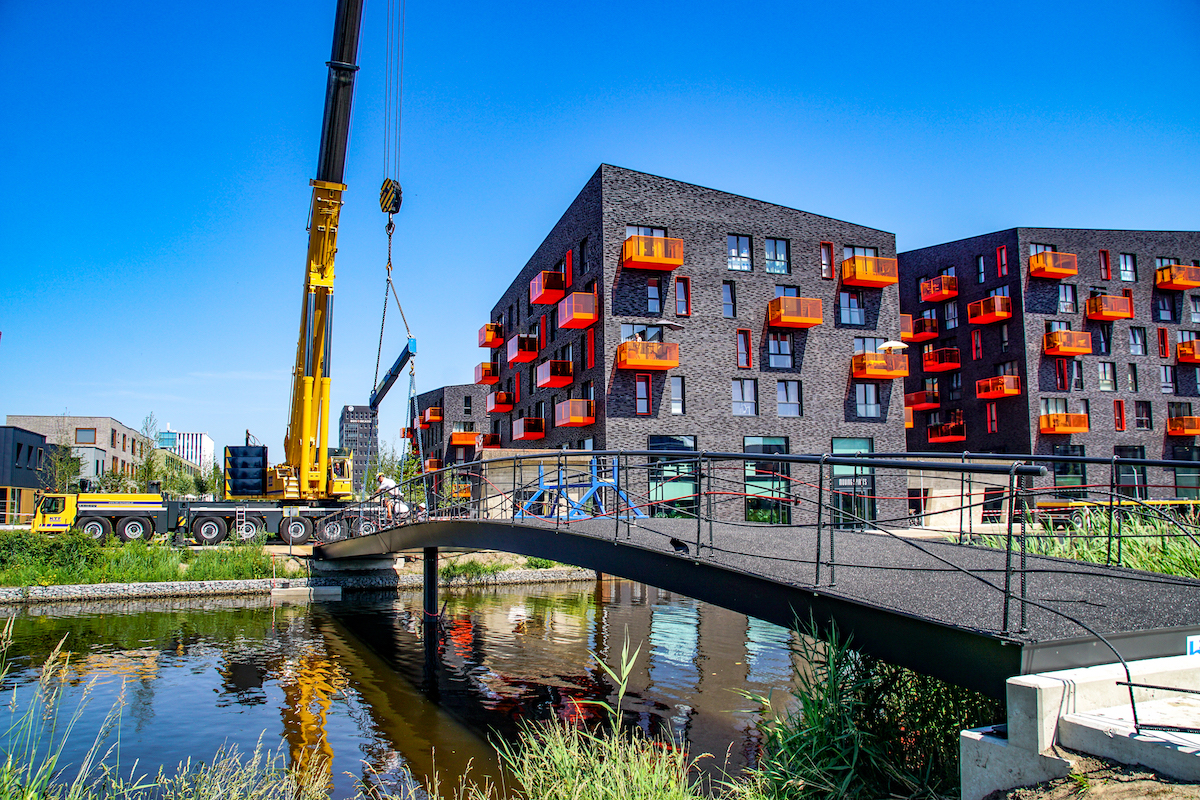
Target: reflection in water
{"x":346,"y":681}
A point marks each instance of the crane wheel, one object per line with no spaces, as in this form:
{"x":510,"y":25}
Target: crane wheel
{"x":209,"y":530}
{"x":133,"y":529}
{"x":295,"y":530}
{"x":252,"y":526}
{"x":363,"y":526}
{"x":334,"y":530}
{"x":97,"y":528}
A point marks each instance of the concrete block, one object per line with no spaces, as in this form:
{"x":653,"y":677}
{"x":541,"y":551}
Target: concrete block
{"x":989,"y":763}
{"x":306,"y":594}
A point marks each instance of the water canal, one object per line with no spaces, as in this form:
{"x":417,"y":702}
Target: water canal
{"x":349,"y":679}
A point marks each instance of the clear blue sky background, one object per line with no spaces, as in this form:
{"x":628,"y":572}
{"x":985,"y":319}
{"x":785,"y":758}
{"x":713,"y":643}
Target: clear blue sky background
{"x":157,"y":156}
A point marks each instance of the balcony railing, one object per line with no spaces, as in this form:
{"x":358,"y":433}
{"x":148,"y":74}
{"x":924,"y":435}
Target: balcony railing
{"x":487,"y":441}
{"x":546,"y":287}
{"x":432,"y":414}
{"x":947,"y":432}
{"x":990,"y":309}
{"x":408,"y":433}
{"x":923,"y":329}
{"x":550,"y":374}
{"x":908,"y":417}
{"x":647,"y":355}
{"x":794,"y":312}
{"x":922,"y":401}
{"x":499,"y":402}
{"x":1177,"y":276}
{"x":522,"y":347}
{"x":432,"y":464}
{"x":526,"y":429}
{"x":577,"y":310}
{"x":942,"y":287}
{"x":1047,"y":264}
{"x":491,"y":335}
{"x":1067,"y":343}
{"x":1187,"y":352}
{"x":463,"y":438}
{"x":943,"y":360}
{"x":1107,"y":307}
{"x":652,"y":252}
{"x":880,"y":365}
{"x":1183,"y":426}
{"x":487,"y":373}
{"x":1063,"y":423}
{"x":906,"y":330}
{"x":1000,"y":386}
{"x":869,"y":271}
{"x":574,"y":413}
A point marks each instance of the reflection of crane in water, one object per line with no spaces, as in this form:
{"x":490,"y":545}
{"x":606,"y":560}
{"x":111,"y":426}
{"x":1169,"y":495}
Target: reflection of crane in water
{"x":309,"y":683}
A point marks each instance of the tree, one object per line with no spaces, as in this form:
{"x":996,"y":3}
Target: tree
{"x":114,"y":482}
{"x":60,"y":466}
{"x":216,"y":481}
{"x":176,"y":481}
{"x":144,"y":444}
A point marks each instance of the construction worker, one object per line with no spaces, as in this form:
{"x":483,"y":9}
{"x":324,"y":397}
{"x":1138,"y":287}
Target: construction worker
{"x":389,"y":492}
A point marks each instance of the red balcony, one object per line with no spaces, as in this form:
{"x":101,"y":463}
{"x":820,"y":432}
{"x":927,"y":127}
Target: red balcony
{"x":943,"y":287}
{"x":1186,"y":352}
{"x":423,"y":425}
{"x":999,"y":386}
{"x":922,"y":401}
{"x":550,"y":374}
{"x":943,"y":360}
{"x":880,"y":365}
{"x":491,"y":335}
{"x":487,"y":441}
{"x":947,"y":432}
{"x":869,"y":271}
{"x":522,"y":347}
{"x":526,"y":429}
{"x":990,"y":309}
{"x":906,"y":327}
{"x":794,"y":312}
{"x":1067,"y":343}
{"x":1183,"y":426}
{"x":652,"y":252}
{"x":499,"y":402}
{"x":1106,"y":307}
{"x":432,"y":414}
{"x":574,"y":413}
{"x":923,"y":329}
{"x":1063,"y":423}
{"x":647,"y":355}
{"x":463,"y":438}
{"x":1177,"y":277}
{"x":1053,"y":265}
{"x":578,"y":310}
{"x":547,"y":287}
{"x":432,"y":464}
{"x":908,"y":417}
{"x":408,"y":433}
{"x":487,"y":373}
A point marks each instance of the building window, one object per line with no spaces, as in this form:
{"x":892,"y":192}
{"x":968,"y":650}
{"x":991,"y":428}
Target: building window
{"x":950,"y":311}
{"x":766,"y":482}
{"x":88,"y":436}
{"x":1143,"y":419}
{"x":739,"y":252}
{"x":676,"y":394}
{"x":1105,"y":269}
{"x":866,"y":399}
{"x":864,"y":344}
{"x":976,"y":344}
{"x":1108,"y":376}
{"x":1194,"y":304}
{"x":644,"y":230}
{"x":850,"y":308}
{"x":745,"y":397}
{"x":642,"y":395}
{"x":826,"y":259}
{"x":1119,"y":415}
{"x":777,"y":256}
{"x":1131,"y":479}
{"x":787,"y":291}
{"x":1106,"y":334}
{"x":1062,"y":376}
{"x":653,"y":296}
{"x":728,"y":300}
{"x":1161,"y":262}
{"x":1007,"y":368}
{"x":1069,"y":473}
{"x":980,"y":270}
{"x":1164,"y":344}
{"x":992,"y":425}
{"x":1128,"y":267}
{"x":1133,"y":378}
{"x":743,"y":349}
{"x":1164,"y":308}
{"x":633,"y":332}
{"x":1001,"y":261}
{"x":467,"y":405}
{"x":779,"y":349}
{"x":1166,"y":375}
{"x":1066,"y":298}
{"x":1137,"y":341}
{"x":787,"y":394}
{"x":1004,"y":338}
{"x":954,"y":387}
{"x":683,"y":297}
{"x":850,"y":251}
{"x":583,"y":257}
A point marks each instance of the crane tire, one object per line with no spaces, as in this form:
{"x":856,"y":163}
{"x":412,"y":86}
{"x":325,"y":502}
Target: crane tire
{"x":334,"y":530}
{"x":98,"y":528}
{"x":209,"y":530}
{"x":295,"y":530}
{"x":363,"y":526}
{"x":1079,"y":519}
{"x":134,"y":529}
{"x":251,"y":527}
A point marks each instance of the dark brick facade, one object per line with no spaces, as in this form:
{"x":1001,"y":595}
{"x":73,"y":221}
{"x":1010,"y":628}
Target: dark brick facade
{"x":435,"y":440}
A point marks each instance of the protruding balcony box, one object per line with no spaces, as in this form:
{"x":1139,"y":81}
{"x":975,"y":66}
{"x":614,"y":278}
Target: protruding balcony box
{"x":423,"y":425}
{"x":1177,"y":277}
{"x":1183,"y":426}
{"x":1107,"y":307}
{"x":947,"y":432}
{"x":1067,"y":343}
{"x":432,"y":464}
{"x":432,"y":414}
{"x":550,"y":374}
{"x":487,"y":441}
{"x":408,"y":433}
{"x":499,"y":402}
{"x":526,"y":429}
{"x":880,"y":365}
{"x":794,"y":312}
{"x":522,"y":347}
{"x":869,"y":271}
{"x":547,"y":287}
{"x":574,"y":413}
{"x":922,"y":401}
{"x":999,"y":386}
{"x":652,"y":252}
{"x":906,"y":330}
{"x":463,"y":438}
{"x":1187,"y":352}
{"x":491,"y":335}
{"x":647,"y":355}
{"x":577,"y":310}
{"x":923,"y":329}
{"x":1063,"y":423}
{"x":935,"y":290}
{"x":989,"y":309}
{"x":943,"y":360}
{"x":908,"y":417}
{"x":1047,"y":264}
{"x":487,"y":373}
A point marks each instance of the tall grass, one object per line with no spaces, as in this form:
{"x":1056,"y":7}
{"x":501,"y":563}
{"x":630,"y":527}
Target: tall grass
{"x":469,"y":568}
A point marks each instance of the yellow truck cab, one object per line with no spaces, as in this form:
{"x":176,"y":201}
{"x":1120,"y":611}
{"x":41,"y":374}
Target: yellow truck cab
{"x":130,"y":516}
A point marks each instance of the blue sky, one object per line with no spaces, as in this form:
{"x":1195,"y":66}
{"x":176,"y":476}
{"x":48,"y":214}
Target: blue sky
{"x":157,"y":158}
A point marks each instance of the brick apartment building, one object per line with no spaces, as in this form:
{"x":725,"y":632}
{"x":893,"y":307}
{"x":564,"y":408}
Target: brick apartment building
{"x":450,"y":421}
{"x":1060,"y":342}
{"x":666,"y":316}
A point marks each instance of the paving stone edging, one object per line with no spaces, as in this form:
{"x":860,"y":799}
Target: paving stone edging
{"x":378,"y":580}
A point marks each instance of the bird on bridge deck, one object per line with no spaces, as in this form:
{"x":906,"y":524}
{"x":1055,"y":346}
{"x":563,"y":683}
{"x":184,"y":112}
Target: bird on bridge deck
{"x":679,"y":546}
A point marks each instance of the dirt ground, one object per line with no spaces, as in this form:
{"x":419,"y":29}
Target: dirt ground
{"x":1099,"y":779}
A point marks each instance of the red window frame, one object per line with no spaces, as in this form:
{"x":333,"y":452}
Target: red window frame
{"x":976,"y":344}
{"x":1119,"y":415}
{"x":1002,"y":260}
{"x":992,"y":424}
{"x":1062,"y":374}
{"x":642,"y":382}
{"x":744,"y":347}
{"x":827,"y":260}
{"x":1106,"y":272}
{"x":542,"y":333}
{"x":517,"y":386}
{"x":686,"y":285}
{"x":590,"y":351}
{"x":568,"y":270}
{"x":1164,"y":344}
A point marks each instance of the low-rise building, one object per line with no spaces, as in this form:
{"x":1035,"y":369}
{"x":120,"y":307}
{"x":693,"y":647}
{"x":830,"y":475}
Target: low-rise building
{"x":102,"y":443}
{"x":22,"y":457}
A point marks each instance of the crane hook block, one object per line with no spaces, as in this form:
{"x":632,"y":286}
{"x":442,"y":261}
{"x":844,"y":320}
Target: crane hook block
{"x":390,"y":196}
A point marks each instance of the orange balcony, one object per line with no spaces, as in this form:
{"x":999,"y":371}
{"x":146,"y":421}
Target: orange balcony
{"x":869,"y":271}
{"x":947,"y":432}
{"x":487,"y":373}
{"x":432,"y":464}
{"x":652,"y":252}
{"x":499,"y":402}
{"x":487,"y":441}
{"x":794,"y":312}
{"x":990,"y":309}
{"x":423,"y":425}
{"x":1067,"y":343}
{"x":943,"y":287}
{"x":1183,"y":426}
{"x":577,"y":310}
{"x":1106,"y":307}
{"x":1063,"y":423}
{"x":574,"y":413}
{"x":1053,"y":265}
{"x":432,"y":414}
{"x":999,"y":386}
{"x":522,"y":347}
{"x":880,"y":365}
{"x":1177,"y":276}
{"x":906,"y":327}
{"x":547,"y":287}
{"x":550,"y":374}
{"x":1186,"y":351}
{"x":408,"y":433}
{"x":923,"y":329}
{"x":908,"y":417}
{"x":526,"y":429}
{"x":491,"y":335}
{"x":943,"y":360}
{"x":463,"y":438}
{"x":921,"y":401}
{"x":647,"y":355}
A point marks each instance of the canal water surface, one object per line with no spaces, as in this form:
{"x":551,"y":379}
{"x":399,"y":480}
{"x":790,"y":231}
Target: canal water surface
{"x":349,"y":680}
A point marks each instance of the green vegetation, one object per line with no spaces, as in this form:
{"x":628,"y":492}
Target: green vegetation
{"x":470,"y":568}
{"x":540,"y":563}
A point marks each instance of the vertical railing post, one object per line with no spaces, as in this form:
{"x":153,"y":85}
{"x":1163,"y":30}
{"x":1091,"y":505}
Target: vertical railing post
{"x":709,"y":504}
{"x":558,"y":493}
{"x":616,"y":503}
{"x":1024,"y":550}
{"x":820,"y":516}
{"x":1012,"y":507}
{"x":696,"y":504}
{"x":1112,"y":491}
{"x":962,"y":477}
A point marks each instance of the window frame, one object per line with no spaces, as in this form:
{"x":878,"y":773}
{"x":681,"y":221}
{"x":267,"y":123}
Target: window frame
{"x":673,"y":382}
{"x":684,"y":282}
{"x":785,"y":387}
{"x":744,"y":338}
{"x":825,"y":258}
{"x":741,"y":384}
{"x":770,"y":242}
{"x":730,"y":240}
{"x":1002,"y":261}
{"x":640,"y":380}
{"x":729,"y":299}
